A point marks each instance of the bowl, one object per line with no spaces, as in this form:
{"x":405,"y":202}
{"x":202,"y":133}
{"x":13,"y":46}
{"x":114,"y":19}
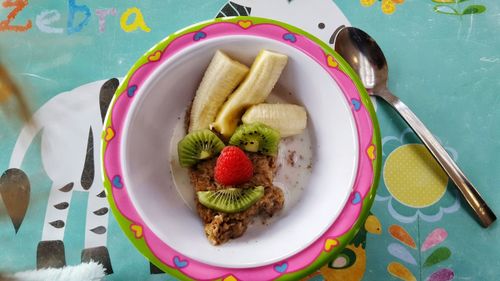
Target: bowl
{"x":328,"y":191}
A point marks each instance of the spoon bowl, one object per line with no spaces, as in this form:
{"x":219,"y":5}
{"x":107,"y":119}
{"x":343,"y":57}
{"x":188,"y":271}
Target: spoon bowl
{"x":364,"y":55}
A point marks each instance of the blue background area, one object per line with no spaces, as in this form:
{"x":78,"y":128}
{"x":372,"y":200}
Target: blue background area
{"x":438,"y":67}
{"x":446,"y":68}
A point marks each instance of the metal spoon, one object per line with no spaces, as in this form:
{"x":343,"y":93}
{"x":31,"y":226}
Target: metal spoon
{"x":368,"y":60}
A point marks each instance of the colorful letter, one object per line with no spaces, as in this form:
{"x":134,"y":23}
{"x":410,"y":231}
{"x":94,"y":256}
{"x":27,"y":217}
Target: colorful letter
{"x":73,"y":9}
{"x":45,"y":18}
{"x":138,"y":21}
{"x":19,"y":6}
{"x":101,"y":14}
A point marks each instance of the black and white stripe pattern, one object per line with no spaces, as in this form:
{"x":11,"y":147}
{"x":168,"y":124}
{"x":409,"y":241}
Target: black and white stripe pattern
{"x":232,"y":9}
{"x":50,"y":251}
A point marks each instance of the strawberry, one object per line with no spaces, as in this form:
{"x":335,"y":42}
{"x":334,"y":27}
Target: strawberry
{"x":233,"y":167}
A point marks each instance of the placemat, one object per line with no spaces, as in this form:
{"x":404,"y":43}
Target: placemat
{"x":444,"y":60}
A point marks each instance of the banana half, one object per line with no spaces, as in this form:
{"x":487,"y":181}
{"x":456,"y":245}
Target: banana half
{"x":288,"y":119}
{"x":263,"y":75}
{"x":222,"y":76}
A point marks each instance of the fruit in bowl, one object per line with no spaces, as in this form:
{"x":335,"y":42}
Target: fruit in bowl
{"x":236,"y":186}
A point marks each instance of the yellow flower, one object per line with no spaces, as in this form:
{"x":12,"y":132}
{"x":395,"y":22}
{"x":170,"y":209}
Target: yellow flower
{"x":388,"y":7}
{"x":367,"y":3}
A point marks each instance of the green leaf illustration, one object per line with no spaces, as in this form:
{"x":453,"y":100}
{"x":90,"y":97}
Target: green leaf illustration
{"x":439,"y":255}
{"x":460,"y":1}
{"x":474,"y":9}
{"x":443,"y":9}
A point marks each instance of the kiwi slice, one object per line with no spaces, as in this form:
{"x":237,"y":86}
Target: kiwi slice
{"x":256,"y":137}
{"x":230,"y":200}
{"x":198,"y":145}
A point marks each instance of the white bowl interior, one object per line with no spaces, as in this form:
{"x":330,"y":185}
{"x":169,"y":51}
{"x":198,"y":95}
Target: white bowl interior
{"x":157,"y":109}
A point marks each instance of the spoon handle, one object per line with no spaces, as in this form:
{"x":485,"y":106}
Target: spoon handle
{"x":471,"y":195}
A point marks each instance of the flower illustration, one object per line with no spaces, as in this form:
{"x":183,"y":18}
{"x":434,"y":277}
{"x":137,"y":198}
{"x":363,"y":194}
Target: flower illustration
{"x":452,"y":7}
{"x":388,"y":6}
{"x":447,"y":7}
{"x":367,"y":3}
{"x":414,"y":186}
{"x":407,"y":254}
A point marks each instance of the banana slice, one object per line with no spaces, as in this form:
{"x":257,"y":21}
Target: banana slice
{"x":288,"y":119}
{"x":220,"y":79}
{"x":263,"y":75}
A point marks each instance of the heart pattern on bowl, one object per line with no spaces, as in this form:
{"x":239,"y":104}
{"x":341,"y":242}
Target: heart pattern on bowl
{"x":131,"y":90}
{"x":330,"y":244}
{"x":117,"y":182}
{"x":230,"y":278}
{"x":245,"y":23}
{"x":331,"y":61}
{"x":199,"y":35}
{"x":137,"y":230}
{"x":356,"y":199}
{"x":110,"y":134}
{"x":290,"y":37}
{"x":180,"y":263}
{"x":155,"y":56}
{"x":356,"y":103}
{"x":371,"y":152}
{"x":281,"y":267}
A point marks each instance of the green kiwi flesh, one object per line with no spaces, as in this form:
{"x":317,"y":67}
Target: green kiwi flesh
{"x":256,"y":137}
{"x":230,"y":200}
{"x":197,"y":146}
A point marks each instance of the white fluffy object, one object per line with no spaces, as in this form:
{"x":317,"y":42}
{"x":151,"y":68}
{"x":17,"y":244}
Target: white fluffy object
{"x":83,"y":272}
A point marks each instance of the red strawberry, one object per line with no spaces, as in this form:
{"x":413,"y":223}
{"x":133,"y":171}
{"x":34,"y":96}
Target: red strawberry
{"x":233,"y":166}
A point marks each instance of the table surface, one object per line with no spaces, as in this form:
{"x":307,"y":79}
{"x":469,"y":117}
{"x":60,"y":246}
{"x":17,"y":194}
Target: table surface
{"x":444,"y":63}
